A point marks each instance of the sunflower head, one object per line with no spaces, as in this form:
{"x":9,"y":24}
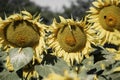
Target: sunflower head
{"x":70,"y":36}
{"x":107,"y":12}
{"x":23,"y":30}
{"x":109,"y":18}
{"x":70,"y":39}
{"x":20,"y":30}
{"x":105,"y":16}
{"x":19,"y":33}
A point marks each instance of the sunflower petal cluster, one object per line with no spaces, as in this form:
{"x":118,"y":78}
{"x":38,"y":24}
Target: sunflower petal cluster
{"x":104,"y":14}
{"x":71,"y":40}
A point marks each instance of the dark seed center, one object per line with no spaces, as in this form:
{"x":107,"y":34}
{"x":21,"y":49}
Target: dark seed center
{"x":21,"y":34}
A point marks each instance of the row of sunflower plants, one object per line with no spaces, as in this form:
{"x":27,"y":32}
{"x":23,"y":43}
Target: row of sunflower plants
{"x":86,"y":49}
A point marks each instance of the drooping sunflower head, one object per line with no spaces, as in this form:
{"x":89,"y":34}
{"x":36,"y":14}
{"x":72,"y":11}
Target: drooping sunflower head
{"x":22,"y":30}
{"x":105,"y":16}
{"x":69,"y":39}
{"x":19,"y":33}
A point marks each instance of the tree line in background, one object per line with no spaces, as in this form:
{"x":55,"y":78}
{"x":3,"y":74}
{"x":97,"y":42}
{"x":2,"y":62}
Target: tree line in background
{"x":8,"y":7}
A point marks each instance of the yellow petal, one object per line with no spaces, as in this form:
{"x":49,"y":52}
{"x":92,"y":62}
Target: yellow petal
{"x":26,"y":13}
{"x":93,"y":10}
{"x":63,"y":20}
{"x":97,"y":4}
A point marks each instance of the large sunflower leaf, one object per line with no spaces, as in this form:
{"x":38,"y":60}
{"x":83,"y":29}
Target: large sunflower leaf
{"x":59,"y":67}
{"x":20,"y":58}
{"x":6,"y":75}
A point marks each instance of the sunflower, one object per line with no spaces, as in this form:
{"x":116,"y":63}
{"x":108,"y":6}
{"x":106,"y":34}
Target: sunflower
{"x":22,"y":30}
{"x":104,"y":14}
{"x":71,"y":39}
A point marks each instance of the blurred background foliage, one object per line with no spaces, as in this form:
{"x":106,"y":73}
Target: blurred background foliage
{"x":8,"y":7}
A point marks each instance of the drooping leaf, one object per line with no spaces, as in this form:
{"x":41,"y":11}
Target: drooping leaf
{"x":20,"y":57}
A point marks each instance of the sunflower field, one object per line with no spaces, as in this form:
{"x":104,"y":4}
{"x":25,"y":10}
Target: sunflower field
{"x":66,"y":49}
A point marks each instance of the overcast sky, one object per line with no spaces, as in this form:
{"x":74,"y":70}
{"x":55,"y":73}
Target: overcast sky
{"x":55,"y":5}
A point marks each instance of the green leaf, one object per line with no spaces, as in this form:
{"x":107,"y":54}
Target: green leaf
{"x":102,"y":77}
{"x":9,"y":76}
{"x":113,"y":71}
{"x":97,"y":64}
{"x":109,"y":60}
{"x":83,"y":74}
{"x":115,"y":76}
{"x":102,"y":58}
{"x":88,"y":62}
{"x":43,"y":70}
{"x":20,"y":58}
{"x":59,"y":67}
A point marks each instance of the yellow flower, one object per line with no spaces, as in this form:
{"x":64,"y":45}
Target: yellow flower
{"x":71,"y":39}
{"x":66,"y":76}
{"x":23,"y":30}
{"x":105,"y":16}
